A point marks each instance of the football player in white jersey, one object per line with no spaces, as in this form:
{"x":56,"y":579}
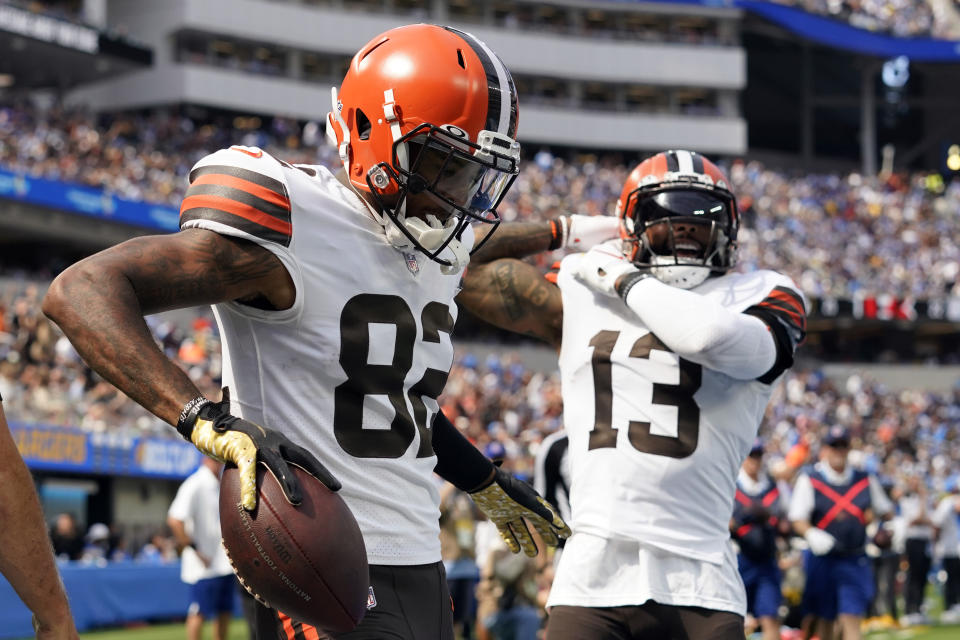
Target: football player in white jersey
{"x":334,"y":297}
{"x":667,"y":361}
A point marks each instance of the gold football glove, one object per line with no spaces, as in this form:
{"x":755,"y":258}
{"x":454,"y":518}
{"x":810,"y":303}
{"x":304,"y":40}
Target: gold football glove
{"x":506,"y":502}
{"x":216,"y":433}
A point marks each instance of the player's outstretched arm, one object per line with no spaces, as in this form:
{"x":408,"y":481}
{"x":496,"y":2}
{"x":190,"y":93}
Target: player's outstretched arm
{"x":99,"y":303}
{"x":522,"y":239}
{"x":26,"y":557}
{"x":514,"y":295}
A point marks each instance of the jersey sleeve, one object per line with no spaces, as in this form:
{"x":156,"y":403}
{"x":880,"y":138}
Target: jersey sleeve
{"x":784,"y":312}
{"x":240,"y":191}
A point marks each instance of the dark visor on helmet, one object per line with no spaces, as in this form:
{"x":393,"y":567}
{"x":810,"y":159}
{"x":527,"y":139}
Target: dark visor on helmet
{"x":684,"y":203}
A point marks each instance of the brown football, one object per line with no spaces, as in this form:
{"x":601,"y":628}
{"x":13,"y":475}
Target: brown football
{"x":307,"y":561}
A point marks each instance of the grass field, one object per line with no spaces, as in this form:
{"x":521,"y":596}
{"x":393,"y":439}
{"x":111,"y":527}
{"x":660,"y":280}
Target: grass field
{"x":918,"y":633}
{"x":239,"y":632}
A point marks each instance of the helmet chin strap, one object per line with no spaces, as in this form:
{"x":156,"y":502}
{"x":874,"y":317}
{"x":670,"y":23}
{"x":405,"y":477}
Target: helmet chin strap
{"x":431,"y":234}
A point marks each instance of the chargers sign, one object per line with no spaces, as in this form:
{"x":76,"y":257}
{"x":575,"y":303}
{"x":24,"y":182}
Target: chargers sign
{"x":168,"y":458}
{"x":49,"y":448}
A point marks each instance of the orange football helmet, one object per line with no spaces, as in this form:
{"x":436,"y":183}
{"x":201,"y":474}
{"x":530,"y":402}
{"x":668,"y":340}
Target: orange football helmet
{"x":679,"y":218}
{"x":428,"y":110}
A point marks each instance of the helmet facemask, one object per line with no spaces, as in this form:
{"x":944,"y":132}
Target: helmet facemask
{"x":682,"y":233}
{"x":452,"y":182}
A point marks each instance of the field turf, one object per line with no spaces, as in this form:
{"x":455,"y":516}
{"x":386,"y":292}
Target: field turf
{"x":238,"y":631}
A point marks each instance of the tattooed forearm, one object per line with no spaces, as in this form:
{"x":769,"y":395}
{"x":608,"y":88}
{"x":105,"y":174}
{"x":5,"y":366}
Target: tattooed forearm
{"x":514,"y":240}
{"x":514,"y":295}
{"x":510,"y":299}
{"x":99,"y":304}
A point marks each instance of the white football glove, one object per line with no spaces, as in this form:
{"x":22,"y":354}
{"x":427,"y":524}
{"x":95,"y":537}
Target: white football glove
{"x":600,"y":268}
{"x":582,"y":232}
{"x":820,"y":541}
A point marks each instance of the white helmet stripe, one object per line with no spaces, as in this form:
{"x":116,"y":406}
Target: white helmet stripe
{"x":503,"y":126}
{"x":685,"y":161}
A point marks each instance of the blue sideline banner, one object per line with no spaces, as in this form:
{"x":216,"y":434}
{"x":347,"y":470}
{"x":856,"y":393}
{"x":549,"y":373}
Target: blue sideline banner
{"x":87,"y":201}
{"x":117,"y":594}
{"x":46,"y":448}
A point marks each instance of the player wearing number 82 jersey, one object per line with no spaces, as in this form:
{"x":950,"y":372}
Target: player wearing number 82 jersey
{"x":355,"y":364}
{"x":667,"y":363}
{"x":334,"y":296}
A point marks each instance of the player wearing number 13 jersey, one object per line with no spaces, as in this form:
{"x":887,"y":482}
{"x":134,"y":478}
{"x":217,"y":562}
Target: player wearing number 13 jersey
{"x":334,"y":295}
{"x":667,"y":361}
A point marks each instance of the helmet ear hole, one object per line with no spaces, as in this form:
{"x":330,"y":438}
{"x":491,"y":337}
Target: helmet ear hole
{"x":363,"y":125}
{"x":460,"y":61}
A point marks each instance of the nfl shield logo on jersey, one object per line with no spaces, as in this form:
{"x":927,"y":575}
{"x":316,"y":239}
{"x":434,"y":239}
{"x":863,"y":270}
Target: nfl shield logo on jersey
{"x":371,"y":599}
{"x":412,"y":263}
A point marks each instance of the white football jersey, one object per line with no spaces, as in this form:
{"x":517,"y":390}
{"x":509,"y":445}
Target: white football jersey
{"x":656,"y":441}
{"x":352,"y":370}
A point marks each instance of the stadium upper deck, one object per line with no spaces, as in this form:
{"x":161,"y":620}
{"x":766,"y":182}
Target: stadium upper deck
{"x":283,"y":57}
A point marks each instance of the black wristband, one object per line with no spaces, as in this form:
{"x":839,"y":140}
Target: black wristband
{"x":628,"y":281}
{"x":188,"y":416}
{"x":458,"y":461}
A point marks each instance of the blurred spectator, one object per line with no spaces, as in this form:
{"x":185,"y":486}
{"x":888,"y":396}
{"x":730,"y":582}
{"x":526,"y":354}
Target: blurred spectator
{"x":160,"y":549}
{"x":915,"y":510}
{"x":901,"y":18}
{"x":885,"y":557}
{"x":98,"y":547}
{"x":458,"y":517}
{"x":508,"y":597}
{"x":758,"y":519}
{"x":194,"y":519}
{"x":831,"y":506}
{"x":946,"y":519}
{"x":835,"y":235}
{"x":66,"y":537}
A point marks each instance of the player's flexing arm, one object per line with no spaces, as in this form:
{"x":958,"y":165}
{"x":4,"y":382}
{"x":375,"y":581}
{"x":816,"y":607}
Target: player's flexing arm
{"x":100,"y":302}
{"x":513,"y":295}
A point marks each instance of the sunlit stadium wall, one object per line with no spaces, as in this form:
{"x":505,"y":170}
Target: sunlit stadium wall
{"x":645,"y":86}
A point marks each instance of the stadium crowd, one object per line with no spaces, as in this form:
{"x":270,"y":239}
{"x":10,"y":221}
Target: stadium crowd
{"x":908,"y":439}
{"x":901,"y":18}
{"x":835,"y":235}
